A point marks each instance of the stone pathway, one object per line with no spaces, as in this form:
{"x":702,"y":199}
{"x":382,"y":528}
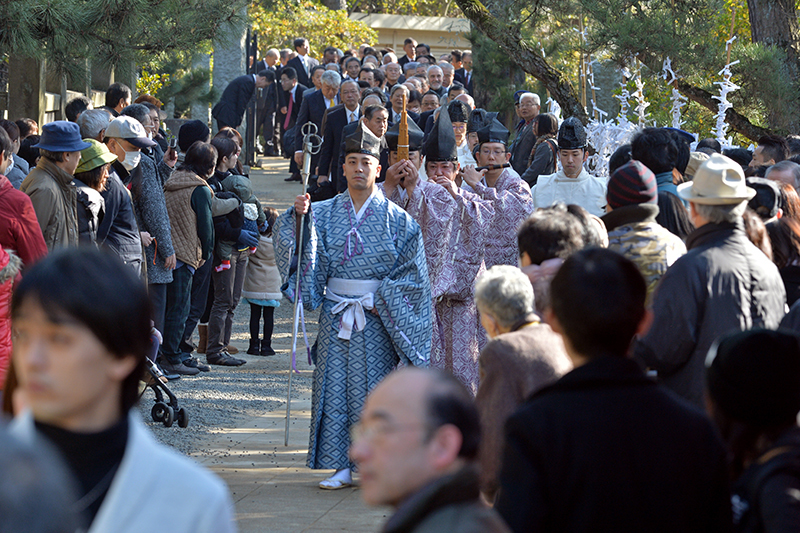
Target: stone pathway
{"x":271,"y":486}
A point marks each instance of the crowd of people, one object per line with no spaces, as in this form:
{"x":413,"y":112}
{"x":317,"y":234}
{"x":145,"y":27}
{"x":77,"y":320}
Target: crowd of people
{"x":579,"y":352}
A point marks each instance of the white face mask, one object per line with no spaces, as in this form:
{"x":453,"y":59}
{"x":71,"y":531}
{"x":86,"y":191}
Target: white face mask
{"x":131,"y":160}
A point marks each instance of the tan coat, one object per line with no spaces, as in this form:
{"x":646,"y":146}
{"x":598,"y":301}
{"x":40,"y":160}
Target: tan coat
{"x":263,"y":281}
{"x":55,"y":201}
{"x":512,"y":366}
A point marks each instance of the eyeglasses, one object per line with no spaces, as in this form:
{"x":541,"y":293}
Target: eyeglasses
{"x":459,"y":127}
{"x":359,"y":432}
{"x":497,"y":153}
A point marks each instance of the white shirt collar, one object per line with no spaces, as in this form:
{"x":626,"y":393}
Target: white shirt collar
{"x":375,"y":191}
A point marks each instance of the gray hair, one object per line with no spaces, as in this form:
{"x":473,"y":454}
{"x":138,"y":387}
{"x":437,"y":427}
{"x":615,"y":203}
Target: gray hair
{"x":411,"y":65}
{"x":399,"y":87}
{"x":139,"y":112}
{"x":273,"y":52}
{"x":92,"y":122}
{"x":331,"y":78}
{"x":717,"y":214}
{"x":434,"y":67}
{"x":504,"y":293}
{"x":535,"y":97}
{"x":448,"y":67}
{"x":787,"y":165}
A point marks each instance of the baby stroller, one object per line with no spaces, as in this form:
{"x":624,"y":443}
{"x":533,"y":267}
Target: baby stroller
{"x":165,"y":412}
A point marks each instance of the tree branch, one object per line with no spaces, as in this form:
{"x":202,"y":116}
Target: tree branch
{"x":510,"y":40}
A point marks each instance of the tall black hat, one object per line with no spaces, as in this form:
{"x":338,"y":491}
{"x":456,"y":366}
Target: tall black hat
{"x":493,"y":132}
{"x":571,"y":135}
{"x":477,"y":118}
{"x":415,"y":137}
{"x":363,"y":141}
{"x":441,"y":143}
{"x":459,"y":111}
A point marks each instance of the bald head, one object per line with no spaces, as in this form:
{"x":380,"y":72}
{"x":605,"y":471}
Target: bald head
{"x":417,"y":425}
{"x":467,"y":99}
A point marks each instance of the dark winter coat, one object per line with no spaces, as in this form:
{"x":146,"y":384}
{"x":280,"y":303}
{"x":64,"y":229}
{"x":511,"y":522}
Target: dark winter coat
{"x":449,"y":504}
{"x":766,"y":498}
{"x":606,"y":449}
{"x":91,"y":209}
{"x":723,"y":284}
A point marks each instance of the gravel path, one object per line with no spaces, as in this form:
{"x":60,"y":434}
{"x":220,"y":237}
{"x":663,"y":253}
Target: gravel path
{"x":226,"y":396}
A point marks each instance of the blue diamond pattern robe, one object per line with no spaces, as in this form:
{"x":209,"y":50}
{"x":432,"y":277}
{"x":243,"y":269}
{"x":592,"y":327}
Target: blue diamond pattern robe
{"x":346,"y":371}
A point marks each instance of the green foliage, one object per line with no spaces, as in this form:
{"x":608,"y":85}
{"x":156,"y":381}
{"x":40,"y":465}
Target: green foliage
{"x":67,"y":32}
{"x":278,"y":26}
{"x":186,"y":85}
{"x":692,"y":33}
{"x":497,"y":77}
{"x":148,"y":83}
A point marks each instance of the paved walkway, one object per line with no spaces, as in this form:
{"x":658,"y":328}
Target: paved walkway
{"x":271,"y":486}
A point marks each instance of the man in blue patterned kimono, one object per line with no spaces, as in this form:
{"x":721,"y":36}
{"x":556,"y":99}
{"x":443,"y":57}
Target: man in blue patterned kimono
{"x":364,"y":263}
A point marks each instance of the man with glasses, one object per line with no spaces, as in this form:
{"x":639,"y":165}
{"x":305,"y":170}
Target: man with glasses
{"x":509,"y":194}
{"x":416,"y":448}
{"x":527,"y":109}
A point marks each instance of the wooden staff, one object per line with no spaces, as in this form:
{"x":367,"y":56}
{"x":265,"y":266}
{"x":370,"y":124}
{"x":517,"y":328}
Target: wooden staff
{"x":402,"y":137}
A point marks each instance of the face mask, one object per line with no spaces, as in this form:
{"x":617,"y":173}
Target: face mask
{"x":150,"y":135}
{"x":131,"y":160}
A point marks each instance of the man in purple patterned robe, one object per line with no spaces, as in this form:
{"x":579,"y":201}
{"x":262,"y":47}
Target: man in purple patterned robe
{"x":509,"y":194}
{"x":454,"y":230}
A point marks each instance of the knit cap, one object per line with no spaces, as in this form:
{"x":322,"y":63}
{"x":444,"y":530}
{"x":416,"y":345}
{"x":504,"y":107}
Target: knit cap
{"x":754,"y":376}
{"x":190,"y":132}
{"x":631,"y":184}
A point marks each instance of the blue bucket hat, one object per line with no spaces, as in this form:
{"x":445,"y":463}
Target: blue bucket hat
{"x":61,"y":136}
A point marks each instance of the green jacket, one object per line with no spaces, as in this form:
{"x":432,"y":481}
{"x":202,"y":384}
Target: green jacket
{"x":55,"y":201}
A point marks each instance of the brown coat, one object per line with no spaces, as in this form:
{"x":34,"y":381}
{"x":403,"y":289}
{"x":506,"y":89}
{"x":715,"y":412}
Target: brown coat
{"x":178,"y":192}
{"x":513,"y":366}
{"x":55,"y":201}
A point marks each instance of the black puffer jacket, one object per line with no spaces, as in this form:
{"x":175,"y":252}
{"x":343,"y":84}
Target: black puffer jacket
{"x":723,"y":284}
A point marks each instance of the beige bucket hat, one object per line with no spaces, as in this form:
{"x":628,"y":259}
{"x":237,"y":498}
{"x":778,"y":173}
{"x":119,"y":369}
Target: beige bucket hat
{"x":718,"y":181}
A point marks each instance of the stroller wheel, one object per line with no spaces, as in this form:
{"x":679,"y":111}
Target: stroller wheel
{"x":169,"y":417}
{"x":159,"y":411}
{"x":183,"y":418}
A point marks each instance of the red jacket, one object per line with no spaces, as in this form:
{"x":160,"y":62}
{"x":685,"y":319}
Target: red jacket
{"x":19,"y":228}
{"x":10,"y":266}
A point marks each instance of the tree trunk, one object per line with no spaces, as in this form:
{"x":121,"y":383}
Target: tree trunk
{"x":774,"y":23}
{"x":335,"y":4}
{"x":531,"y":62}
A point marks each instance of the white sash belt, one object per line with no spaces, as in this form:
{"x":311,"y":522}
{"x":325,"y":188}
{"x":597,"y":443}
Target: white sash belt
{"x":362,"y":298}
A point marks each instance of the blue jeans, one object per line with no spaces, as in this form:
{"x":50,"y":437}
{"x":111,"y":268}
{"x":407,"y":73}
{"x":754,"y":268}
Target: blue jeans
{"x":200,"y":282}
{"x":178,"y":298}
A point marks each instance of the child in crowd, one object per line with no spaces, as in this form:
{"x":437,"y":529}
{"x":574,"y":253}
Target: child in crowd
{"x":262,"y":288}
{"x":253,"y":218}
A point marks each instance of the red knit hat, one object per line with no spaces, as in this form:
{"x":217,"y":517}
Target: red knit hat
{"x":632,"y":183}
